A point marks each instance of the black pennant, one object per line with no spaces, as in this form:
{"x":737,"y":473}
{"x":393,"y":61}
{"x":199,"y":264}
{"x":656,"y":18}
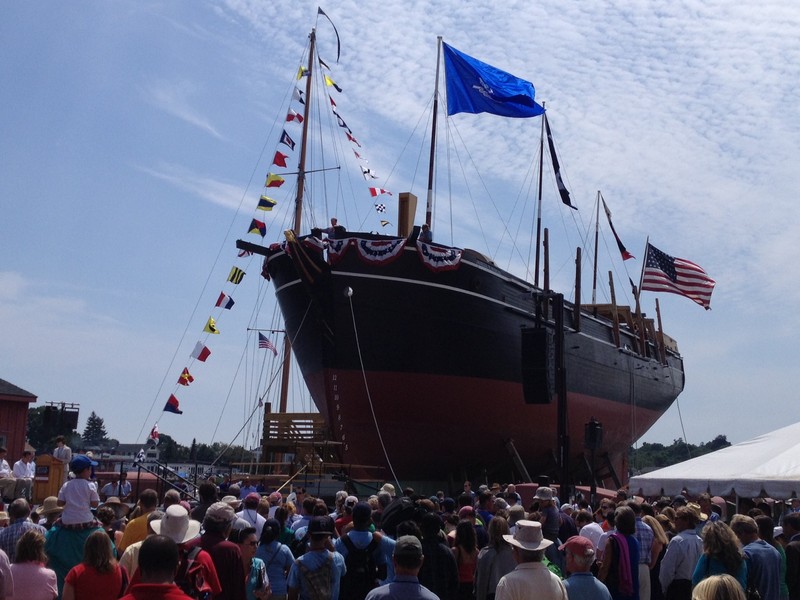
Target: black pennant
{"x":338,"y":43}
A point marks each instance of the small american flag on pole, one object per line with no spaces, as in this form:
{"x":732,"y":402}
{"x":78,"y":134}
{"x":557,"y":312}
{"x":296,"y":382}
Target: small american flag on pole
{"x":264,"y":342}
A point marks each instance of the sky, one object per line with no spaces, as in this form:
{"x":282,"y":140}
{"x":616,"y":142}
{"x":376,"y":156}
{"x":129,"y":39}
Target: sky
{"x":136,"y":136}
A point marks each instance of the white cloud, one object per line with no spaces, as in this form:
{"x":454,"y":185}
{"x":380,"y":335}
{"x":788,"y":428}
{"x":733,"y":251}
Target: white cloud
{"x":174,"y":98}
{"x":217,"y":192}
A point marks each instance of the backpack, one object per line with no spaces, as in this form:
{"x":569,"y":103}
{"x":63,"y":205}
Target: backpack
{"x":361,"y":573}
{"x":299,"y":546}
{"x":318,"y":582}
{"x":190,"y":577}
{"x":401,"y":509}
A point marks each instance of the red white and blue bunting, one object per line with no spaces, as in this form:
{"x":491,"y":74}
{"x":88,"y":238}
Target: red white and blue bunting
{"x":439,"y":258}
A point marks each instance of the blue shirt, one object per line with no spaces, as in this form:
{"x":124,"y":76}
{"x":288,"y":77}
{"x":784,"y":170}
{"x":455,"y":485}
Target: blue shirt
{"x":278,"y":559}
{"x":314,"y":560}
{"x":644,"y":535}
{"x":764,"y":566}
{"x":711,"y":566}
{"x":585,"y":586}
{"x":404,"y":587}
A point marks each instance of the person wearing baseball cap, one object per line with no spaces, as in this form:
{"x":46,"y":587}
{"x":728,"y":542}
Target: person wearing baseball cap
{"x":250,"y":514}
{"x":79,"y":496}
{"x":581,"y":584}
{"x":531,"y":578}
{"x":320,"y":567}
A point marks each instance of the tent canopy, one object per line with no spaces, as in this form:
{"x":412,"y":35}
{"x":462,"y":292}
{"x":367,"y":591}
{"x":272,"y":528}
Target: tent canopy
{"x":768,"y":463}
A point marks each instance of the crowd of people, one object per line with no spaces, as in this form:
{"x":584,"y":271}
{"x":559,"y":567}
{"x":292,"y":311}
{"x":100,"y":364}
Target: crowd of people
{"x":239,"y":542}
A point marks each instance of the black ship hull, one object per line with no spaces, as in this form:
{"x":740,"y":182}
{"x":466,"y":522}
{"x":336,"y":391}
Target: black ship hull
{"x":421,"y":367}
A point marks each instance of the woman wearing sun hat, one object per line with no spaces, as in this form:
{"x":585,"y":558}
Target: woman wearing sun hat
{"x":531,"y":578}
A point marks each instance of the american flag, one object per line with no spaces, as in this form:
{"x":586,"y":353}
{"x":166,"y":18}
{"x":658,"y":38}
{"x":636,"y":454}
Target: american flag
{"x":665,"y":273}
{"x":264,"y":342}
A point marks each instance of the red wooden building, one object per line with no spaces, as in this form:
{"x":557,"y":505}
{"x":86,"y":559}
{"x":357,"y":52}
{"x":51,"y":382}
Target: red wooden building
{"x":14,"y":403}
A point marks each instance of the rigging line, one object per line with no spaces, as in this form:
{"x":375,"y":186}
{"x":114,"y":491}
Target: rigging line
{"x":211,"y":271}
{"x":488,"y":195}
{"x":683,"y":429}
{"x":227,"y":397}
{"x":369,"y":396}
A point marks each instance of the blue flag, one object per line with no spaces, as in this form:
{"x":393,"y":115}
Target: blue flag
{"x":475,"y":87}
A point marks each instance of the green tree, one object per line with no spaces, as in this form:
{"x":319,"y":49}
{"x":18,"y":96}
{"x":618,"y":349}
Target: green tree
{"x":43,"y":436}
{"x":656,"y":456}
{"x":38,"y":434}
{"x":95,"y":432}
{"x":170,"y":450}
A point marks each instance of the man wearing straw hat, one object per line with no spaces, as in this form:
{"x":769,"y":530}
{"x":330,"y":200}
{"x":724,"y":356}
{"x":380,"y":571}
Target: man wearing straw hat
{"x":531,"y":578}
{"x":50,"y":510}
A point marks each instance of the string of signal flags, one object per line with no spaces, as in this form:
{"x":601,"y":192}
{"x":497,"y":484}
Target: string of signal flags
{"x":275,"y":178}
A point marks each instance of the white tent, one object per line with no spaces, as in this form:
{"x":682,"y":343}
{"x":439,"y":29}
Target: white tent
{"x":769,"y":462}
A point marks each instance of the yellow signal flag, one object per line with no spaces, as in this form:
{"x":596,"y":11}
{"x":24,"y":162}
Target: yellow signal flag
{"x":331,"y":83}
{"x":211,"y":326}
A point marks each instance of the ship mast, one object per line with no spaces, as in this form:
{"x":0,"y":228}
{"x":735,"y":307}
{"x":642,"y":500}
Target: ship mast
{"x":429,"y":203}
{"x":298,"y":209}
{"x":596,"y":238}
{"x":539,"y":207}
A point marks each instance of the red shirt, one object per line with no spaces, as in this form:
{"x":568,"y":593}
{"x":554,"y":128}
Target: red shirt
{"x":88,"y":582}
{"x":209,"y":572}
{"x":228,"y":560}
{"x":155,"y":591}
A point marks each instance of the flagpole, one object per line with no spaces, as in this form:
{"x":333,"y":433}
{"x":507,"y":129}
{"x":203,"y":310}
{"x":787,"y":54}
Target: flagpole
{"x":298,"y":209}
{"x":431,"y":161}
{"x":539,"y":205}
{"x":644,"y":264}
{"x":596,"y":237}
{"x":643,"y":348}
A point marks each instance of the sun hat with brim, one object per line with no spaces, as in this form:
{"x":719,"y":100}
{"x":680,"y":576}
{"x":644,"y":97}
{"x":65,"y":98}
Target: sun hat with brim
{"x":544,"y":493}
{"x":49,"y":506}
{"x":116,"y":504}
{"x":695,"y":508}
{"x":176,"y":525}
{"x":528,"y":536}
{"x":231,"y":501}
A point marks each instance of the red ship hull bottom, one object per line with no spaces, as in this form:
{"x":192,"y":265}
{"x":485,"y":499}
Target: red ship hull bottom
{"x":430,"y":428}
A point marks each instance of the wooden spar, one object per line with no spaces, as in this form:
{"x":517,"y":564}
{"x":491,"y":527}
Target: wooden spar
{"x":661,"y":347}
{"x":546,"y":245}
{"x":431,"y":161}
{"x":576,"y":307}
{"x":298,"y":209}
{"x":539,"y":209}
{"x":301,"y":175}
{"x":596,"y":237}
{"x":614,"y":312}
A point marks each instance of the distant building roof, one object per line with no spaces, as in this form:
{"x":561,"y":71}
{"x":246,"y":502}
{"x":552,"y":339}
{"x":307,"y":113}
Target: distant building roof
{"x":9,"y":389}
{"x":128,"y":448}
